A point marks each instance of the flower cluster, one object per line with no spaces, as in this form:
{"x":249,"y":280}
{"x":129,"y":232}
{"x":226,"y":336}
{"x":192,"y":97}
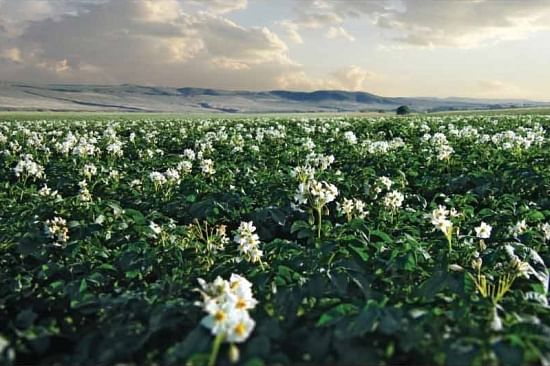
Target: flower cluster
{"x":207,"y":166}
{"x":440,"y":218}
{"x":84,"y":194}
{"x":524,"y":138}
{"x":89,"y":170}
{"x":227,"y":304}
{"x":440,"y":221}
{"x":315,"y":193}
{"x":382,"y":147}
{"x":350,"y":137}
{"x":248,"y":242}
{"x":26,"y":168}
{"x":382,"y":183}
{"x":352,"y":208}
{"x":303,"y":173}
{"x":46,"y":191}
{"x":393,"y":200}
{"x":56,"y":229}
{"x":158,"y":179}
{"x":440,"y":145}
{"x":320,"y":161}
{"x":519,"y":228}
{"x":545,"y":228}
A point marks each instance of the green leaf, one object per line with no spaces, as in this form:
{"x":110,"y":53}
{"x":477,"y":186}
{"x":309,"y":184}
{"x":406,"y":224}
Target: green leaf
{"x":366,"y":321}
{"x":433,"y":285}
{"x":335,"y":314}
{"x":25,"y":319}
{"x":255,"y":362}
{"x":83,"y":286}
{"x":382,"y":235}
{"x":460,"y":353}
{"x":136,"y":216}
{"x":535,"y":216}
{"x":508,"y":355}
{"x":390,"y":320}
{"x":298,"y":226}
{"x":361,"y":252}
{"x":28,"y":244}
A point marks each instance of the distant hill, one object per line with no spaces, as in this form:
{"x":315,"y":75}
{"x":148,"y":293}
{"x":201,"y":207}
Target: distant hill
{"x":136,"y":98}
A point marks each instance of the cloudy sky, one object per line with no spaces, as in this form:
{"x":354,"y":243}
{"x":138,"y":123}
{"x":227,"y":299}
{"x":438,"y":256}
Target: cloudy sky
{"x":491,"y":48}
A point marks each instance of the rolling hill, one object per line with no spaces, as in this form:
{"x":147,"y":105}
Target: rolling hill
{"x":135,"y":98}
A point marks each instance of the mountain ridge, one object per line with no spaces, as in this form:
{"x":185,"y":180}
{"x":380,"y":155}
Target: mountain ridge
{"x":142,"y":98}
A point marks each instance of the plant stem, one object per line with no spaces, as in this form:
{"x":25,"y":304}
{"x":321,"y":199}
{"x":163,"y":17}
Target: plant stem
{"x":319,"y":218}
{"x":215,"y":349}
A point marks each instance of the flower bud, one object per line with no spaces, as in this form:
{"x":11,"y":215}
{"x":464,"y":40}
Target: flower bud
{"x":456,"y":268}
{"x":482,"y":245}
{"x":233,"y":353}
{"x":476,"y":263}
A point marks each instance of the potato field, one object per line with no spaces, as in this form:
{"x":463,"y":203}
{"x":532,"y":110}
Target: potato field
{"x":275,"y":241}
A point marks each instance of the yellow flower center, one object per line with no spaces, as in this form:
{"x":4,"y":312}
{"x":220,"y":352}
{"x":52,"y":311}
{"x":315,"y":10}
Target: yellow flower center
{"x":219,"y":316}
{"x":240,"y":329}
{"x":241,"y":304}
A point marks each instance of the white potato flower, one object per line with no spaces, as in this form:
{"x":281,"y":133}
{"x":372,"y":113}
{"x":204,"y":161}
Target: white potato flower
{"x":207,"y":166}
{"x":350,"y":137}
{"x":483,"y":231}
{"x":155,"y":228}
{"x":545,"y":228}
{"x":248,"y":242}
{"x":227,"y":304}
{"x":394,"y":200}
{"x":27,"y":168}
{"x":56,"y":229}
{"x":519,"y":228}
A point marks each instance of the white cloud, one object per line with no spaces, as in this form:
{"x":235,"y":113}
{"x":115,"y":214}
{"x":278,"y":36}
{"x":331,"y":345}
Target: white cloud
{"x":467,"y":23}
{"x":339,"y":32}
{"x":355,"y":77}
{"x":348,"y":78}
{"x":11,"y":54}
{"x":220,"y":6}
{"x":147,"y":41}
{"x":291,"y":30}
{"x":315,"y":15}
{"x":229,"y":64}
{"x":162,"y":42}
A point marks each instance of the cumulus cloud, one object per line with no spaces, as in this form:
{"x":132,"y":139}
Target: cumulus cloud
{"x":220,"y":6}
{"x":315,"y":15}
{"x":147,"y":41}
{"x":348,"y":78}
{"x":11,"y":55}
{"x":212,"y":43}
{"x":162,"y":42}
{"x":354,"y":77}
{"x":16,"y":14}
{"x":467,"y":23}
{"x":292,"y":31}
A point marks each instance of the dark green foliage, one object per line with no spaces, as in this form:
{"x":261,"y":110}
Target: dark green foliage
{"x":403,"y":110}
{"x":372,"y":290}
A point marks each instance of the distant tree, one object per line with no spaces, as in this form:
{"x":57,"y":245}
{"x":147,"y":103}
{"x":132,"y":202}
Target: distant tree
{"x":403,"y":110}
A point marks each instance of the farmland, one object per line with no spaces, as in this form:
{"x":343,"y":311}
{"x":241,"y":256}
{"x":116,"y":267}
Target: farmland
{"x":275,"y":240}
